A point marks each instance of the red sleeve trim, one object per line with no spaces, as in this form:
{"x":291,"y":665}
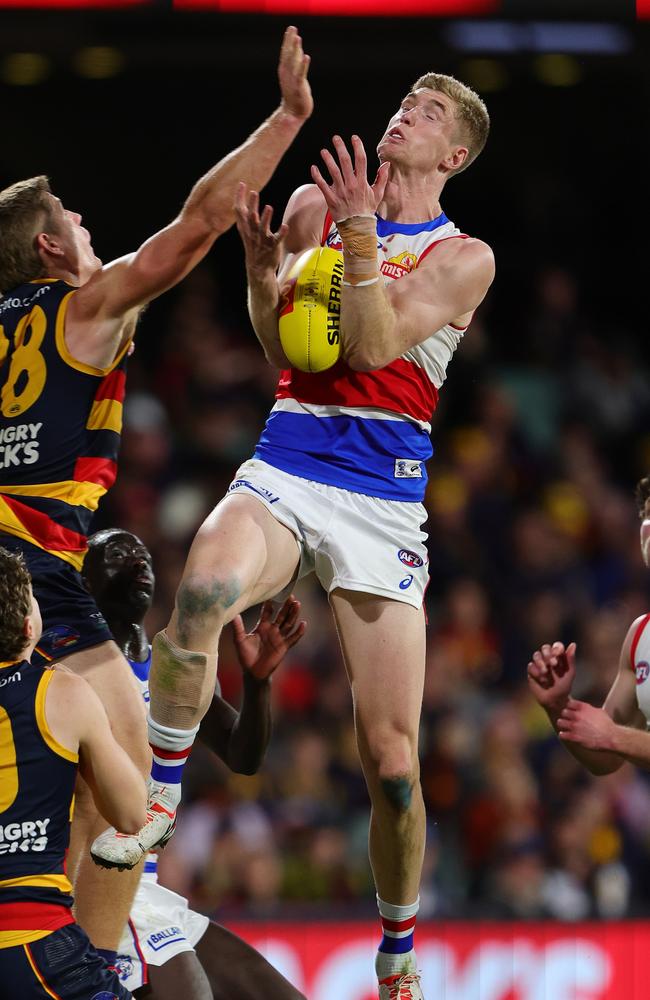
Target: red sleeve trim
{"x":637,"y":636}
{"x":326,"y":227}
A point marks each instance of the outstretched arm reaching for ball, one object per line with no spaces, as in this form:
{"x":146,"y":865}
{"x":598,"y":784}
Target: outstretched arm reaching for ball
{"x":97,"y":321}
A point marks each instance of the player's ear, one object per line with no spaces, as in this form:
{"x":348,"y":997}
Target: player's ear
{"x":50,"y":244}
{"x":454,"y":160}
{"x":28,"y":629}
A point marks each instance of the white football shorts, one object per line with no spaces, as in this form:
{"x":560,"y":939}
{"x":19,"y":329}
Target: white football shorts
{"x":161,"y":926}
{"x":348,"y":540}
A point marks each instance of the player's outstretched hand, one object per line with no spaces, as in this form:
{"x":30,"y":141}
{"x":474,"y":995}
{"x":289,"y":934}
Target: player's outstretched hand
{"x":263,"y":247}
{"x":349,"y":192}
{"x":292,"y":74}
{"x":261,"y":651}
{"x":551,"y":673}
{"x":581,"y":723}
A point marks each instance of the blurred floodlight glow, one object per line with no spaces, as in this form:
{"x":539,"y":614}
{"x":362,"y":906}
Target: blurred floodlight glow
{"x":539,"y":36}
{"x":25,"y":69}
{"x":484,"y":75}
{"x":558,"y":70}
{"x":98,"y":62}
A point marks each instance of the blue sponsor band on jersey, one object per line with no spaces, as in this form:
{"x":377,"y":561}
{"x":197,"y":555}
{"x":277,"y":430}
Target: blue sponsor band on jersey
{"x":350,"y":452}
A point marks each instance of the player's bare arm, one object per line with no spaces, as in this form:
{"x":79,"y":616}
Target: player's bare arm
{"x":240,"y":738}
{"x":100,"y":311}
{"x":380,"y":323}
{"x":551,"y":674}
{"x":78,"y":720}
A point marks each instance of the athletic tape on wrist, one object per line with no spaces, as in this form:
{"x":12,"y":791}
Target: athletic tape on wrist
{"x":361,"y":284}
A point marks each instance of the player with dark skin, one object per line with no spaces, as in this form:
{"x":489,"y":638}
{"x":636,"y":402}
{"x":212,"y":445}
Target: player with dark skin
{"x":118,"y":572}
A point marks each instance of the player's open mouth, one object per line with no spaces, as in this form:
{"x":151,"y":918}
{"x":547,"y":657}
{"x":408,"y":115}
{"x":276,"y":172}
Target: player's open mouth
{"x":395,"y":134}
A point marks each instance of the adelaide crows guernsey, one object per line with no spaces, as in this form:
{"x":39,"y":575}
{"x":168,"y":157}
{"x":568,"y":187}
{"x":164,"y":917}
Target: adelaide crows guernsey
{"x":37,"y":778}
{"x":60,"y":423}
{"x":367,"y":432}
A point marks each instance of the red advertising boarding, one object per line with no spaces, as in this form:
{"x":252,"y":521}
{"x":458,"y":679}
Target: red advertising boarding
{"x":387,"y":8}
{"x":462,"y":961}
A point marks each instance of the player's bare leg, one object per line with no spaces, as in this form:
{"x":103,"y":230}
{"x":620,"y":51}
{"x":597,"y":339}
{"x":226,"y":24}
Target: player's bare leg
{"x":182,"y":976}
{"x":241,"y":555}
{"x":383,"y":645}
{"x":224,"y":967}
{"x":103,"y":899}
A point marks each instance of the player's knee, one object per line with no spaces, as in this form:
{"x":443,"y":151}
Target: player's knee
{"x":204,"y":600}
{"x":395,"y":763}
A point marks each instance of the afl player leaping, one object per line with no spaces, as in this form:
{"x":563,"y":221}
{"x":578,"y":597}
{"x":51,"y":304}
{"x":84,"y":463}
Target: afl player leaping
{"x":337,"y":481}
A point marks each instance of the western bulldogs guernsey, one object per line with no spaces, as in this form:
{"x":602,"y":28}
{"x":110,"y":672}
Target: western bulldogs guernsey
{"x":367,"y":432}
{"x":60,"y":424}
{"x":37,"y":777}
{"x":640,"y":663}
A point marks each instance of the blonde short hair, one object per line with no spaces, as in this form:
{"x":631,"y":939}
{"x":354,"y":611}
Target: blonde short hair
{"x":471,"y":112}
{"x":24,"y":209}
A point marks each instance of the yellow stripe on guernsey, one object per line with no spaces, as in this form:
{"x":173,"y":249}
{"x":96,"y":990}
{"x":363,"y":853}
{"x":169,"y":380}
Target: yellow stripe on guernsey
{"x":60,"y":882}
{"x":9,"y":939}
{"x":41,"y":720}
{"x":13,"y":526}
{"x":70,"y":491}
{"x":105,"y":415}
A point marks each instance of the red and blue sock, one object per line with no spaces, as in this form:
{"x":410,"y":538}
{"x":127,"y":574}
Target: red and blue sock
{"x":171,"y":749}
{"x":395,"y":953}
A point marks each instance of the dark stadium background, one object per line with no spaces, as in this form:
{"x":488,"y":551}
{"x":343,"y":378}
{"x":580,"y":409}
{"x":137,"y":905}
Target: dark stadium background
{"x":543,"y":430}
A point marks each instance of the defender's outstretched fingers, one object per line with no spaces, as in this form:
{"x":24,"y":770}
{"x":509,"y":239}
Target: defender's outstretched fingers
{"x":289,"y":615}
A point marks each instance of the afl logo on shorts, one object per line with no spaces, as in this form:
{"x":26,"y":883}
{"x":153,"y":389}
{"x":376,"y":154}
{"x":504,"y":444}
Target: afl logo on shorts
{"x":104,"y":995}
{"x":642,"y":669}
{"x":409,"y":558}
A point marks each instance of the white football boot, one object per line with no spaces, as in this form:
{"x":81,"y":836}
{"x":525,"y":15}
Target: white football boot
{"x":113,"y":849}
{"x":403,"y":986}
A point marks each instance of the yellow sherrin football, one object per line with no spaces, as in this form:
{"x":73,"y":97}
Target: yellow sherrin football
{"x":310,"y":310}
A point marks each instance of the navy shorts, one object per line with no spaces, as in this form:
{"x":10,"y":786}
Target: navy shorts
{"x":71,"y":619}
{"x":64,"y":964}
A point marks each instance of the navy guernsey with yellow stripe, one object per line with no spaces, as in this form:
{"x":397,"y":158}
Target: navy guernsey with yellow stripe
{"x":60,"y":424}
{"x":37,"y":777}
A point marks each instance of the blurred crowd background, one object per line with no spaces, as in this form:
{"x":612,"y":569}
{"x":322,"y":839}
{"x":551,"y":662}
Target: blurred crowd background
{"x":542,"y":432}
{"x":533,"y":537}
